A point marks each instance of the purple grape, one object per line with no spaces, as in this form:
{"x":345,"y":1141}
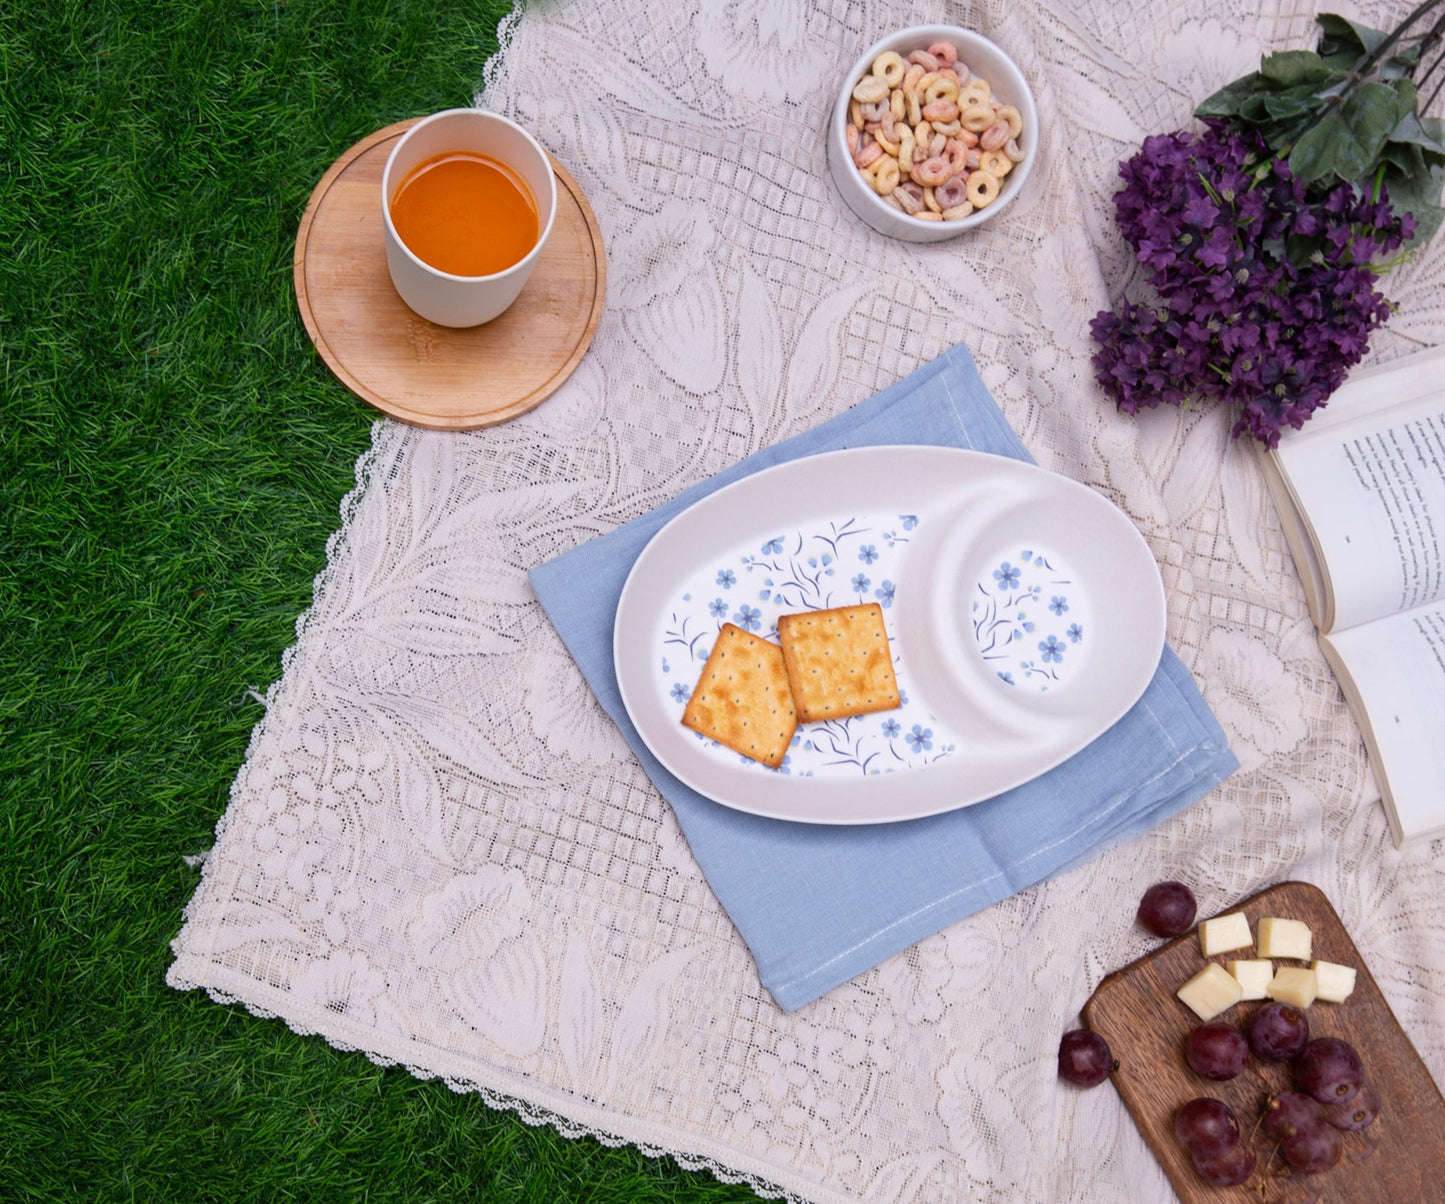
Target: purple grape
{"x":1206,"y":1127}
{"x":1167,"y":909}
{"x":1278,"y":1032}
{"x":1216,"y":1050}
{"x":1084,"y":1058}
{"x":1329,"y":1069}
{"x":1315,"y":1147}
{"x":1289,"y":1112}
{"x":1228,"y":1169}
{"x":1355,"y":1114}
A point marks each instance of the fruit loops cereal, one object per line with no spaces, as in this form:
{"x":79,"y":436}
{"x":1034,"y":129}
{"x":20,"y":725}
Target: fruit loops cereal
{"x":931,"y":138}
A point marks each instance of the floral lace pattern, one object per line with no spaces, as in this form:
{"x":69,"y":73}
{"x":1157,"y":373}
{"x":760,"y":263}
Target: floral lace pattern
{"x":438,"y":850}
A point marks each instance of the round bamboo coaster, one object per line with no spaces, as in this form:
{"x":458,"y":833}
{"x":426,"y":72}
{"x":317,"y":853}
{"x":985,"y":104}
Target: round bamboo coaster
{"x":412,"y":369}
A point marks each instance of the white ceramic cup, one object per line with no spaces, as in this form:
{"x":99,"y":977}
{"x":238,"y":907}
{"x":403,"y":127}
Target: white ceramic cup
{"x":439,"y":296}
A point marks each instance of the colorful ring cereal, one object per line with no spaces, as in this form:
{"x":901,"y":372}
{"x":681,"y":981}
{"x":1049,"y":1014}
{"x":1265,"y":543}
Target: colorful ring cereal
{"x":889,"y":67}
{"x":996,"y":163}
{"x":982,"y":189}
{"x":945,"y":52}
{"x":929,"y":137}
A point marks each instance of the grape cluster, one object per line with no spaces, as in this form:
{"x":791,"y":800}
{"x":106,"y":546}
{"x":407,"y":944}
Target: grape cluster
{"x":1330,"y":1096}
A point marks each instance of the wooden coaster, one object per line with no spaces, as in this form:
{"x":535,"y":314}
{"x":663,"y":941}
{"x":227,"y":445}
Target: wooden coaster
{"x":415,"y":370}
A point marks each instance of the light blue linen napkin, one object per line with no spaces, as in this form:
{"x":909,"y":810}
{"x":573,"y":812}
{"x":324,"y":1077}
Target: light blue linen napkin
{"x":820,"y":904}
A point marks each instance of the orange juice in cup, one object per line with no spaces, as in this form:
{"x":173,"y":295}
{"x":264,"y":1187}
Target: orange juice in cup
{"x":466,"y":214}
{"x":468,"y":199}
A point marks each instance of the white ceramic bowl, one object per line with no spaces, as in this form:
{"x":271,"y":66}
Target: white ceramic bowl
{"x":439,"y":296}
{"x":984,"y":59}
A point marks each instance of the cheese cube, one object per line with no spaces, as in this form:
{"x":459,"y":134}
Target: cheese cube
{"x":1284,"y":938}
{"x":1253,"y":975}
{"x":1211,"y":991}
{"x":1335,"y":982}
{"x":1224,"y":934}
{"x":1294,"y":985}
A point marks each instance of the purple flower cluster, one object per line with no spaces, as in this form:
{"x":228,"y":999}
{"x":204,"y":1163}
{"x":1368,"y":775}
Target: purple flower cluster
{"x":1266,"y":293}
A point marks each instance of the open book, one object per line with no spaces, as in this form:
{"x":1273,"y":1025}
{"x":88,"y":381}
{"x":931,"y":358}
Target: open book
{"x":1361,"y":492}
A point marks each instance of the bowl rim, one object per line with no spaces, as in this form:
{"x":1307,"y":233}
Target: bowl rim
{"x":925,"y":34}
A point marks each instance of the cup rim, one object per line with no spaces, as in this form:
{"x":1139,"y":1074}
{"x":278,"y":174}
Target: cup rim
{"x":924,"y":33}
{"x":522,"y":264}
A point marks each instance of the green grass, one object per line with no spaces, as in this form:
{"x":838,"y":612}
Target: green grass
{"x":172,"y":456}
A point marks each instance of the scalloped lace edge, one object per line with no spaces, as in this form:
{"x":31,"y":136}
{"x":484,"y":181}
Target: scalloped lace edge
{"x":506,"y":31}
{"x":526,"y":1110}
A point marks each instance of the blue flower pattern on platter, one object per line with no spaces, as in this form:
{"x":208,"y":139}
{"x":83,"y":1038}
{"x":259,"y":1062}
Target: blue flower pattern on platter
{"x":1029,"y":620}
{"x":749,"y":618}
{"x":799,"y":570}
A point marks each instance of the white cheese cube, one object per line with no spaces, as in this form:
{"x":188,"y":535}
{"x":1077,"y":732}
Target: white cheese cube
{"x":1211,"y":991}
{"x":1294,"y":985}
{"x":1335,"y":982}
{"x":1253,"y":975}
{"x":1284,"y":938}
{"x":1223,"y":934}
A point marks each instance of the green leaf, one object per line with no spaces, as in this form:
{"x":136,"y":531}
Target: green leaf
{"x":1226,"y":102}
{"x":1434,"y":128}
{"x":1419,"y":194}
{"x":1339,"y":35}
{"x":1403,"y":157}
{"x":1254,"y":110}
{"x":1341,"y":60}
{"x":1399,"y":66}
{"x":1366,"y":119}
{"x":1407,"y":97}
{"x":1314,"y":153}
{"x":1343,"y":43}
{"x":1291,"y":67}
{"x":1410,"y":129}
{"x":1347,"y":141}
{"x":1287,"y":108}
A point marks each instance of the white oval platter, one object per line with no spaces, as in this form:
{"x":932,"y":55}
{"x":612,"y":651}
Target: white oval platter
{"x":1024,"y":612}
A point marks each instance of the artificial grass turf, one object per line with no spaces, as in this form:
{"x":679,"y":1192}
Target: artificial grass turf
{"x":172,"y":456}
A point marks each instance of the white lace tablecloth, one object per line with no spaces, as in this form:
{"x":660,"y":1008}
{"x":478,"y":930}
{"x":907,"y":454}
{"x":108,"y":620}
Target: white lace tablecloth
{"x":438,"y":850}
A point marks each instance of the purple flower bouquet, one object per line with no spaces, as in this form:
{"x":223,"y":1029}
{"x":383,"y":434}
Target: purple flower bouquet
{"x":1263,"y":234}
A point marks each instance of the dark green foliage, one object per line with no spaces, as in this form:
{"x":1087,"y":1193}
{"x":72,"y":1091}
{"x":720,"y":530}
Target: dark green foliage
{"x":172,"y":456}
{"x":1348,"y":110}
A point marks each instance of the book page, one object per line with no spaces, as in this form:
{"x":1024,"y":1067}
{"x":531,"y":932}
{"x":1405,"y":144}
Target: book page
{"x":1301,"y":541}
{"x":1393,"y":672}
{"x":1374,"y":499}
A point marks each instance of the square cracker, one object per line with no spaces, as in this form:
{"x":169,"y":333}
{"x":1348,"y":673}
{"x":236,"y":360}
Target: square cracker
{"x":742,"y":699}
{"x":839,"y":662}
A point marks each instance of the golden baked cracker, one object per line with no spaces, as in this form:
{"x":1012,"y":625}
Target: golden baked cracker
{"x":742,"y":699}
{"x":838,"y":662}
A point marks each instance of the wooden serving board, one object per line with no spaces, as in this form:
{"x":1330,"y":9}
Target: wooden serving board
{"x":1400,"y":1158}
{"x":415,"y":370}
